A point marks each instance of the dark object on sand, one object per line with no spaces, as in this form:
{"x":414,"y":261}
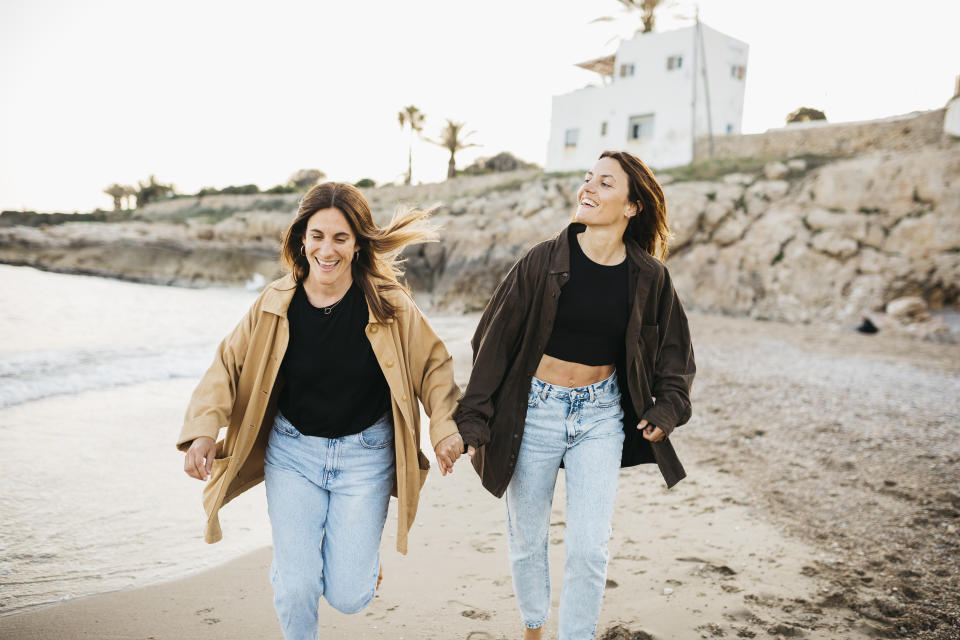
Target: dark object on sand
{"x":867,"y":327}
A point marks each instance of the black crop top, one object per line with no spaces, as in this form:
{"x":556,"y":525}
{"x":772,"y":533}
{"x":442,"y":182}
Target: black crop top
{"x":592,"y":311}
{"x":334,"y":385}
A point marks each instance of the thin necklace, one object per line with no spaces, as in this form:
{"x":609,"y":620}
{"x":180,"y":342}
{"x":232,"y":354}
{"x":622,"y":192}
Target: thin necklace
{"x":327,"y":310}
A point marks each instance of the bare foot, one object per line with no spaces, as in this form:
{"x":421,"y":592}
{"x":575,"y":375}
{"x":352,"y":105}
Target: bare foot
{"x":380,"y":579}
{"x":532,"y":634}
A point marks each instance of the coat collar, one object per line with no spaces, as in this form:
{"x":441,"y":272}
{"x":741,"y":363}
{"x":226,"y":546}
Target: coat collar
{"x":277,"y":297}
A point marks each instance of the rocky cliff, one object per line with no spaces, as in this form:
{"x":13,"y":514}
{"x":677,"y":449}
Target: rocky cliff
{"x":794,"y":241}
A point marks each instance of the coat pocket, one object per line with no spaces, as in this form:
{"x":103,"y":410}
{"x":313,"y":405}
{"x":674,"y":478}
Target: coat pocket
{"x":424,"y":464}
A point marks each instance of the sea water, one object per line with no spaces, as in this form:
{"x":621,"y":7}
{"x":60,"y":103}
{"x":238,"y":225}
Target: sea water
{"x":95,"y":376}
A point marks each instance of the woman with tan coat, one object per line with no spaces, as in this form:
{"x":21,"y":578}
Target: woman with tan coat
{"x":317,"y":388}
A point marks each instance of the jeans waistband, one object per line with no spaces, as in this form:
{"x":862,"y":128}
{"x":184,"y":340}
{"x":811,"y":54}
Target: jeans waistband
{"x":544,"y":389}
{"x":387,"y":416}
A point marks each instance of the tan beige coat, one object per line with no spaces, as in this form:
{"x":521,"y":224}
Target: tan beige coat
{"x":239,"y":392}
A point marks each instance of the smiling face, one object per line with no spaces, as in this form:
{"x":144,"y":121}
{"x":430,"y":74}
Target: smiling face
{"x":329,"y":244}
{"x":603,"y":198}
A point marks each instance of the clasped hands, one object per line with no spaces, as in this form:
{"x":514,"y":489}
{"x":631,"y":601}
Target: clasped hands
{"x":448,"y":450}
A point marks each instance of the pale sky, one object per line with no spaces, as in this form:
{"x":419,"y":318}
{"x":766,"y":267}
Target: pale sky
{"x":214,"y":93}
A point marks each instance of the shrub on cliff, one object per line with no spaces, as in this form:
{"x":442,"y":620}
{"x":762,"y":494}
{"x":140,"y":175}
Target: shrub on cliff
{"x":151,"y":191}
{"x":282,"y":188}
{"x":243,"y":190}
{"x":805,"y":114}
{"x":306,"y":178}
{"x":503,"y":161}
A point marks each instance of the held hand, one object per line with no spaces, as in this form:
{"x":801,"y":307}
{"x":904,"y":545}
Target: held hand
{"x":448,"y":450}
{"x":200,"y":457}
{"x":650,"y":432}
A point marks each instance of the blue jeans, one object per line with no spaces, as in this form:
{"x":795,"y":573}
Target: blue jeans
{"x":327,"y":499}
{"x":583,"y":427}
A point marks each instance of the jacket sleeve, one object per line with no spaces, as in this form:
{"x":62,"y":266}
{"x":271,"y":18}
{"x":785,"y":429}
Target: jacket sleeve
{"x":212,"y":401}
{"x":675,"y":367}
{"x":495,"y":344}
{"x":431,"y":374}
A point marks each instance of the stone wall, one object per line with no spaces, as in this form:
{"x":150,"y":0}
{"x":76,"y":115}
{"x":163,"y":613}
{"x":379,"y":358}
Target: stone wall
{"x":908,"y":132}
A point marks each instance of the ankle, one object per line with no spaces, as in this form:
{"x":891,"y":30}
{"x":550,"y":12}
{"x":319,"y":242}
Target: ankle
{"x":532,"y":634}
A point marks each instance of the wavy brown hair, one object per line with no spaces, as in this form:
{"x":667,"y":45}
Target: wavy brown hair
{"x":649,"y":227}
{"x":377,"y":265}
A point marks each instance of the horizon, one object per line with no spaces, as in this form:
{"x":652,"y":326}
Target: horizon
{"x":224,"y":95}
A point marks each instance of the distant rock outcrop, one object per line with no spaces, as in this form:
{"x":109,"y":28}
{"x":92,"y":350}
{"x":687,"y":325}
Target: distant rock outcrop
{"x":833,"y":243}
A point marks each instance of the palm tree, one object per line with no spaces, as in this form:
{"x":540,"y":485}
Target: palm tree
{"x":410,"y":117}
{"x":128,"y":193}
{"x":452,"y":139}
{"x":118,"y":192}
{"x":646,"y":9}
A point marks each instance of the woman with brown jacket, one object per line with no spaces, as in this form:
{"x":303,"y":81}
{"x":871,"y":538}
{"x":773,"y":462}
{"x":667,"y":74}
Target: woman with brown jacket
{"x":317,"y":388}
{"x":582,"y":360}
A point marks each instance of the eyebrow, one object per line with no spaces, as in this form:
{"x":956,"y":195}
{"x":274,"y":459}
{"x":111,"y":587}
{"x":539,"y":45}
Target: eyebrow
{"x":603,"y":175}
{"x":337,"y":233}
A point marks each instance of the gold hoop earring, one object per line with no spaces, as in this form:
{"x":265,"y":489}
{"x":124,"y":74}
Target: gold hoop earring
{"x":303,"y":250}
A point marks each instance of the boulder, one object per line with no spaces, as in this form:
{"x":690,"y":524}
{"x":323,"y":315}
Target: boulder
{"x":907,"y":308}
{"x":775,"y":170}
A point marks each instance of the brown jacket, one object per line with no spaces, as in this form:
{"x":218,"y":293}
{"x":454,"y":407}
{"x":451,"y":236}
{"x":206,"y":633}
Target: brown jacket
{"x":655,"y":370}
{"x":240,"y":389}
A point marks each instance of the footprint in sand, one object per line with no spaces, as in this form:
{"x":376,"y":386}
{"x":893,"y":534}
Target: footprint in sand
{"x":482,"y":547}
{"x":473,"y":614}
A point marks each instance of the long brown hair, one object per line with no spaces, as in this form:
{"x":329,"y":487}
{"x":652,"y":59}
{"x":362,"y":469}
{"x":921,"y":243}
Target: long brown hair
{"x":649,"y":227}
{"x":377,"y":265}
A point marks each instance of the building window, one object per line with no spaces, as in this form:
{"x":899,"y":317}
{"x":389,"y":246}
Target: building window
{"x":738,"y":71}
{"x":674,"y":62}
{"x":626,"y":70}
{"x":640,"y":127}
{"x":603,"y":128}
{"x":570,"y":138}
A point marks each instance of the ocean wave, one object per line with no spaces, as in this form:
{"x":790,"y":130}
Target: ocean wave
{"x":25,"y":377}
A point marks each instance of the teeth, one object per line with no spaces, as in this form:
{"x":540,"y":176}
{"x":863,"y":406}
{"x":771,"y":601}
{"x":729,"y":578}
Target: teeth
{"x":587,"y":202}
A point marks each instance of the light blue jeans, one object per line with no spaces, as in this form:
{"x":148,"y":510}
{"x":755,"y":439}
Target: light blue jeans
{"x":327,"y":499}
{"x":583,"y":427}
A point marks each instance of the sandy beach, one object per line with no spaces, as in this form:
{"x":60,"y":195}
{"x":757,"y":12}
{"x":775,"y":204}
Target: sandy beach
{"x":821,"y":502}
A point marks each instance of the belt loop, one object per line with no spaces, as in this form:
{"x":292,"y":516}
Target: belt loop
{"x":593,"y":396}
{"x":544,"y":391}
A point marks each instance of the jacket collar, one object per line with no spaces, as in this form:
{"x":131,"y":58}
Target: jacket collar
{"x":560,"y":252}
{"x":277,"y":297}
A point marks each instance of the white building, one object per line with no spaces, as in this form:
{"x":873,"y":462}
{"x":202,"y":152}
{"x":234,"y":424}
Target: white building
{"x":647,"y":102}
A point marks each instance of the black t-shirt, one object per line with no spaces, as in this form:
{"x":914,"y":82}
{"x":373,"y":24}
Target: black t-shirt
{"x":333,"y":383}
{"x":592,"y":311}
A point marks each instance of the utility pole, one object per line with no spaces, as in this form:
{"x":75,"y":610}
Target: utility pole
{"x":706,"y":82}
{"x":693,"y":101}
